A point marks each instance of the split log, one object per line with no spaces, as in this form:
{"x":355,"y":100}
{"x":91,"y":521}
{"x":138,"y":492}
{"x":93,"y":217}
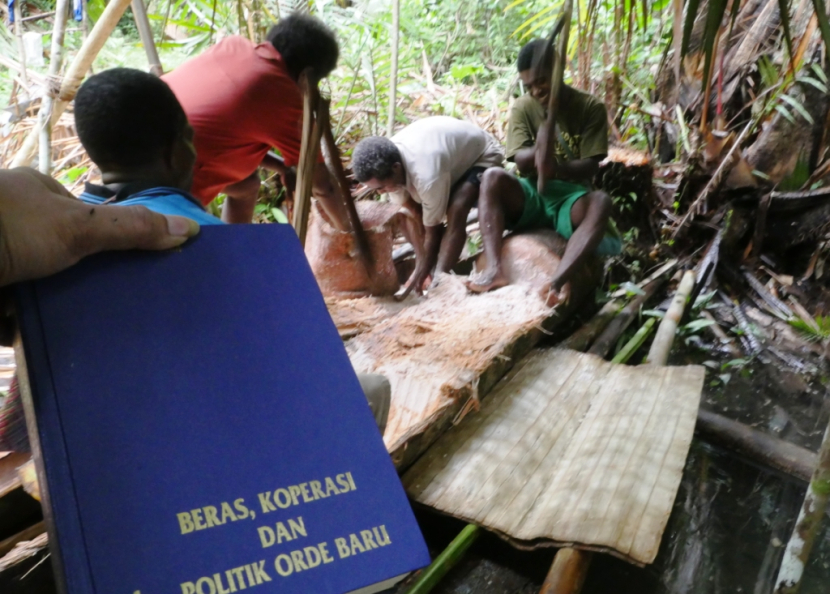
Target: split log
{"x":335,"y":259}
{"x":755,"y":445}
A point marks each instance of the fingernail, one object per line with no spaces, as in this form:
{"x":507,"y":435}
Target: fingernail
{"x":181,"y":226}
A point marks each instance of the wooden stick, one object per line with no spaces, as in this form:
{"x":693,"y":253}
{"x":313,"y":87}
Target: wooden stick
{"x":448,"y":558}
{"x":21,"y":48}
{"x":335,"y":164}
{"x":45,"y":113}
{"x":757,"y":446}
{"x":547,"y":148}
{"x":568,"y":572}
{"x":660,"y":348}
{"x":635,"y":343}
{"x":582,"y":338}
{"x":308,"y":155}
{"x":797,"y":553}
{"x":142,"y":23}
{"x":75,"y":75}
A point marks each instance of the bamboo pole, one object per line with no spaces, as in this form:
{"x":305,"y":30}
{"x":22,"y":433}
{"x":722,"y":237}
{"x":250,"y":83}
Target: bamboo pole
{"x":21,"y":48}
{"x":45,"y":114}
{"x":75,"y":75}
{"x":659,"y":352}
{"x":635,"y":343}
{"x":308,"y":154}
{"x":393,"y":80}
{"x":335,"y":164}
{"x":797,"y":553}
{"x":142,"y":23}
{"x":448,"y":558}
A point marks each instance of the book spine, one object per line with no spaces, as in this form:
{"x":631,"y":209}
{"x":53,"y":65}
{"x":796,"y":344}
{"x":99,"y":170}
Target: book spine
{"x":60,"y":510}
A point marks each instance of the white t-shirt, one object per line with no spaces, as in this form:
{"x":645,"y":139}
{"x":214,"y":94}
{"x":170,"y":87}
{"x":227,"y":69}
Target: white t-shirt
{"x":436,"y":152}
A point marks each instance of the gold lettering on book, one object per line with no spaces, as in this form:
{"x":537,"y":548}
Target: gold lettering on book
{"x":209,"y":516}
{"x":285,"y":497}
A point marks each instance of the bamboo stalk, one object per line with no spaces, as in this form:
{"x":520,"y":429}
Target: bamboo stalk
{"x":393,"y":80}
{"x":308,"y":155}
{"x":335,"y":164}
{"x":45,"y":113}
{"x":142,"y":23}
{"x":634,"y":343}
{"x":797,"y":553}
{"x":448,"y":558}
{"x":660,"y":348}
{"x":75,"y":74}
{"x":21,"y":48}
{"x":568,"y":572}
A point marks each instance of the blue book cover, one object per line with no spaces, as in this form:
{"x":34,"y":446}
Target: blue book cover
{"x":202,"y":430}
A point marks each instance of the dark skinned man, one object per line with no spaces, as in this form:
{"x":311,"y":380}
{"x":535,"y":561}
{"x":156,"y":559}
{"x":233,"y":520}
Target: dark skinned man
{"x":567,"y":204}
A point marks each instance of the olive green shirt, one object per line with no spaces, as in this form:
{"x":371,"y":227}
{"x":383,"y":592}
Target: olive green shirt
{"x":582,"y":121}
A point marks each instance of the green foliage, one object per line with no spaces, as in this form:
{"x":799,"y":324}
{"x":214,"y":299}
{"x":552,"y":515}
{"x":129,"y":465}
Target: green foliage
{"x":819,"y":332}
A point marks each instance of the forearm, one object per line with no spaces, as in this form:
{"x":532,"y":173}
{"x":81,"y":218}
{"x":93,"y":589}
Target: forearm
{"x":272,"y":162}
{"x":578,"y":170}
{"x":432,"y":245}
{"x":524,"y":160}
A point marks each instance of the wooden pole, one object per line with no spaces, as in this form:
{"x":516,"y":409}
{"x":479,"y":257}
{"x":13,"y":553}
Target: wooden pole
{"x":75,"y":74}
{"x":448,"y":558}
{"x":660,"y":348}
{"x":335,"y":165}
{"x":44,"y":160}
{"x":142,"y":23}
{"x":757,"y":446}
{"x":556,"y":83}
{"x":582,"y":338}
{"x":797,"y":553}
{"x":393,"y":79}
{"x":568,"y":572}
{"x":308,"y":154}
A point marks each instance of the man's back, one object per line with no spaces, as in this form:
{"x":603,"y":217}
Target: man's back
{"x":241,"y":102}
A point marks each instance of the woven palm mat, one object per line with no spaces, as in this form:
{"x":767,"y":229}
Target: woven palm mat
{"x":569,"y":449}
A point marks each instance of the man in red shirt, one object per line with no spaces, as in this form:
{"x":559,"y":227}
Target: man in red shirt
{"x":242,"y":100}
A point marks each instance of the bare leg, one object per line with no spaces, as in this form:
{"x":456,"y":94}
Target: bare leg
{"x":500,"y":200}
{"x":461,"y":201}
{"x":241,"y":200}
{"x":589,"y":217}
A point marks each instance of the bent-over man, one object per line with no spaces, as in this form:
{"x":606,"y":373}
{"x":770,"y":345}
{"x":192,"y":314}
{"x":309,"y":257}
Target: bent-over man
{"x":242,"y":100}
{"x":433,"y":168}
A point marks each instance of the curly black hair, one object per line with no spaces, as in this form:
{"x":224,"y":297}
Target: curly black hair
{"x":126,"y":117}
{"x":536,"y":52}
{"x":305,"y":42}
{"x":374,"y":157}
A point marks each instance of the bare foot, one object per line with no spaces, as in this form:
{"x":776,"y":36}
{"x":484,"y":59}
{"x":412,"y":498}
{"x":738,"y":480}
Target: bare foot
{"x":560,"y":297}
{"x":481,"y":283}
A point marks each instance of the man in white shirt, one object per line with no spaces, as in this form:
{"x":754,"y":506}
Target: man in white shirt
{"x":433,"y":169}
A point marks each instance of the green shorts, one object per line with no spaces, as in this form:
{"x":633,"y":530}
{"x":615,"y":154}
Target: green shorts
{"x":552,"y":210}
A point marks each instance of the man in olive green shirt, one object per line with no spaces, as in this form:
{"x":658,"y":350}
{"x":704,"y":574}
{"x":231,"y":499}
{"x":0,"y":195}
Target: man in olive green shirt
{"x":567,"y":204}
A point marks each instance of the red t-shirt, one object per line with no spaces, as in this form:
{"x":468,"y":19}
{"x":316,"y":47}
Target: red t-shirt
{"x":241,"y":103}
